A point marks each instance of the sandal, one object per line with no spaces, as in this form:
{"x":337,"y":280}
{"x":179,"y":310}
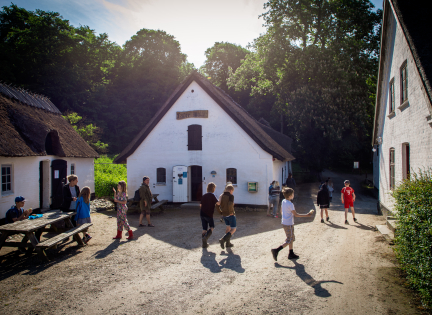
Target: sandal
{"x":141,"y":225}
{"x":151,"y":225}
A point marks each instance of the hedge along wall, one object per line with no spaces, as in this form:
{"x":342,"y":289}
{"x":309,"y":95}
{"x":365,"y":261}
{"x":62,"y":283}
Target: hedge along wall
{"x":107,"y":176}
{"x":414,"y":233}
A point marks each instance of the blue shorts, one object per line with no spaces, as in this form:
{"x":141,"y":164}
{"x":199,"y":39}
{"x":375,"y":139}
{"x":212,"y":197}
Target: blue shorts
{"x":206,"y":222}
{"x":231,"y":221}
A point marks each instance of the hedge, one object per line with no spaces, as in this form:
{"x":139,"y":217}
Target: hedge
{"x":414,"y":233}
{"x":107,"y":176}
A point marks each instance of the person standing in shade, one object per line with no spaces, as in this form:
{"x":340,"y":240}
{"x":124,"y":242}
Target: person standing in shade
{"x":71,"y":192}
{"x":226,"y":201}
{"x":290,"y":182}
{"x":330,"y":187}
{"x":274,"y":197}
{"x":145,"y":202}
{"x":207,"y":206}
{"x":323,"y":201}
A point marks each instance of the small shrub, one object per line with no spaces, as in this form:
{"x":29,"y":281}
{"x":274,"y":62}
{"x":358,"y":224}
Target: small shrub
{"x":107,"y":176}
{"x":414,"y":234}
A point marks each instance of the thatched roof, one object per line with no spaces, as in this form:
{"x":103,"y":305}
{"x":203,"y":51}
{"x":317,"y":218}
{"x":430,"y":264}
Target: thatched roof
{"x":257,"y":131}
{"x":30,"y":125}
{"x":414,"y":19}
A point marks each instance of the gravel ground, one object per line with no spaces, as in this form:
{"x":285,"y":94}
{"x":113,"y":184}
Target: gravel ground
{"x":343,"y":269}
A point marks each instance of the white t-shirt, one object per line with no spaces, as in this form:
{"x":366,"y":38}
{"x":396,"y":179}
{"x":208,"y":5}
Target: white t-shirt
{"x":287,"y":215}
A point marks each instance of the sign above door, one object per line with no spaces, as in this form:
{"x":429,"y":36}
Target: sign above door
{"x":192,"y":114}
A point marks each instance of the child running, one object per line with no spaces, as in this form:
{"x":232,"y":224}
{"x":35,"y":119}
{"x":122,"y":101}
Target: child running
{"x":348,"y":198}
{"x":288,"y":214}
{"x":83,"y":211}
{"x":226,"y":201}
{"x":120,"y":198}
{"x":207,"y":206}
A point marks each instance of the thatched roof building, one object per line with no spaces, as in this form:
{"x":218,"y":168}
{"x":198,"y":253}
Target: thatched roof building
{"x":30,"y":125}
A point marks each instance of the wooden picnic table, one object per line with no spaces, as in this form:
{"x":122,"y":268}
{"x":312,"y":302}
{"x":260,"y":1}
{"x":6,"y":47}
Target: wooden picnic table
{"x":155,"y":205}
{"x":33,"y":228}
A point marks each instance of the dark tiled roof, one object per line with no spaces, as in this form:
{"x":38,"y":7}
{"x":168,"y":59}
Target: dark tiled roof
{"x":415,"y":20}
{"x":24,"y":129}
{"x":264,"y":138}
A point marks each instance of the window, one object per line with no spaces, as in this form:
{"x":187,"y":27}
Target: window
{"x":406,"y":161}
{"x":195,"y":137}
{"x":72,"y":169}
{"x":392,"y":97}
{"x":161,"y":175}
{"x":6,"y":179}
{"x":404,"y":82}
{"x":231,"y":175}
{"x":392,"y":168}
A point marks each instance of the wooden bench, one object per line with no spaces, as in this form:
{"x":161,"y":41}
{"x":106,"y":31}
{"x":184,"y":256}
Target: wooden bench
{"x":158,"y":205}
{"x":61,"y":237}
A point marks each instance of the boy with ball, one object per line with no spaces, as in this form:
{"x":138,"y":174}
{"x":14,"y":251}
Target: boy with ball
{"x":288,"y":214}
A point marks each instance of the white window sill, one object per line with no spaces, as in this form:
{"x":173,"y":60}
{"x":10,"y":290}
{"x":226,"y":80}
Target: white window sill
{"x":7,"y":193}
{"x":160,"y":184}
{"x":391,"y":115}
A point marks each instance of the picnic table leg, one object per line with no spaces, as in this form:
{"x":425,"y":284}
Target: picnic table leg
{"x":76,"y":237}
{"x":3,"y":238}
{"x":34,"y":242}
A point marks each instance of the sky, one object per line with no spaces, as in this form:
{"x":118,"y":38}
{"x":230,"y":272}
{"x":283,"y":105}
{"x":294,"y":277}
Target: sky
{"x":196,"y":24}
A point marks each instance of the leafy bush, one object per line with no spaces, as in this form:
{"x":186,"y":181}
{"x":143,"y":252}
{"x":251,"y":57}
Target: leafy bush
{"x":107,"y":176}
{"x":414,"y":233}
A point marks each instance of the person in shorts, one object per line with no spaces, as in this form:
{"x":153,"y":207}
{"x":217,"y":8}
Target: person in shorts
{"x":348,"y":198}
{"x":323,"y":201}
{"x":288,"y":214}
{"x":226,"y":201}
{"x":207,"y":206}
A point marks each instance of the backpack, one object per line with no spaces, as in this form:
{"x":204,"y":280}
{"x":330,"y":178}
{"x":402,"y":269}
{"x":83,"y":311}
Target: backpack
{"x":137,"y":197}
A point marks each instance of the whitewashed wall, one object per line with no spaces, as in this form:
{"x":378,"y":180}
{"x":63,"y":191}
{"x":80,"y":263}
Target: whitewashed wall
{"x":25,"y":178}
{"x":409,"y":125}
{"x":225,"y":145}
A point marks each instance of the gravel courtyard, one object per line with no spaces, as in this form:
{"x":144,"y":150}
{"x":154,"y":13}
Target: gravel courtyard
{"x":342,"y":269}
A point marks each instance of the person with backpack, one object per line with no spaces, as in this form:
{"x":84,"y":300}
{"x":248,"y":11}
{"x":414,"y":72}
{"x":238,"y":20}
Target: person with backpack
{"x":145,"y":201}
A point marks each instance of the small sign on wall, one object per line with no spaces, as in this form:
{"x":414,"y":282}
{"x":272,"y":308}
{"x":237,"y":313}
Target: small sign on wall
{"x":356,"y":164}
{"x":192,"y":114}
{"x":56,"y":174}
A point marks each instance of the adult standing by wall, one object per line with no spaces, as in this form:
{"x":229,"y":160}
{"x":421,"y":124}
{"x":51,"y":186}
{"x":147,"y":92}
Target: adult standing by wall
{"x":145,"y":201}
{"x":275,"y":198}
{"x":290,"y":182}
{"x":71,"y":192}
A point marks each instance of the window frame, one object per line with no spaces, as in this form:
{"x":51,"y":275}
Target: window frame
{"x":160,"y":175}
{"x":404,"y":82}
{"x":72,"y":169}
{"x":227,"y":176}
{"x":10,"y":191}
{"x":392,"y":168}
{"x":392,"y":102}
{"x":194,"y":137}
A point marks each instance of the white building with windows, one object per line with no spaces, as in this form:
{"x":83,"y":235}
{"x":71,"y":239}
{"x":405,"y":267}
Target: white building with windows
{"x":402,"y":135}
{"x":38,"y":149}
{"x":201,"y":135}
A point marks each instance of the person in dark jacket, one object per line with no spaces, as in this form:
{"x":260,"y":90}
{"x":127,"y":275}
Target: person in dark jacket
{"x":323,"y":200}
{"x":71,"y":192}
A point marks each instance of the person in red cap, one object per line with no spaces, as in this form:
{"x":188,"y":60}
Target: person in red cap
{"x":17,"y":212}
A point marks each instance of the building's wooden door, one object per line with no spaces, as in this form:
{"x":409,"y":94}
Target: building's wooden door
{"x":196,"y":182}
{"x":58,"y":175}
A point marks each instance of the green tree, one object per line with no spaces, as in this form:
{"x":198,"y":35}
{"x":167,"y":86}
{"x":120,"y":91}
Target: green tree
{"x":90,"y":133}
{"x":316,"y":59}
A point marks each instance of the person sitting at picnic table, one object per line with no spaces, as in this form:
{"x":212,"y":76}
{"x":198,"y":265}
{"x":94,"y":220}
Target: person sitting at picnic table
{"x":17,"y":212}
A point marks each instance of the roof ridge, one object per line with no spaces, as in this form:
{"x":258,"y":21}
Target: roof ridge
{"x":29,"y":98}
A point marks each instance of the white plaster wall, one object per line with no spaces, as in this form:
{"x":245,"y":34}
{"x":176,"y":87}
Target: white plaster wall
{"x":409,"y":125}
{"x":25,"y":178}
{"x":225,"y":145}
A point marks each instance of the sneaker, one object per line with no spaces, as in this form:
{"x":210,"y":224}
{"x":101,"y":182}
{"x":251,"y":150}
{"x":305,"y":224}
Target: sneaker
{"x":322,"y":220}
{"x":276,"y":216}
{"x":275,"y":253}
{"x":328,"y":219}
{"x":346,"y":222}
{"x":87,"y":238}
{"x":355,"y":220}
{"x":293,"y":256}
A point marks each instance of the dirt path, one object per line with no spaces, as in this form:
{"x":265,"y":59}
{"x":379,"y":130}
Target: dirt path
{"x":342,"y":269}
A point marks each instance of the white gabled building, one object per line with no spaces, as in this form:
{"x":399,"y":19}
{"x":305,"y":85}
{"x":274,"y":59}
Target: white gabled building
{"x":38,"y":149}
{"x":402,"y":135}
{"x":201,"y":135}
